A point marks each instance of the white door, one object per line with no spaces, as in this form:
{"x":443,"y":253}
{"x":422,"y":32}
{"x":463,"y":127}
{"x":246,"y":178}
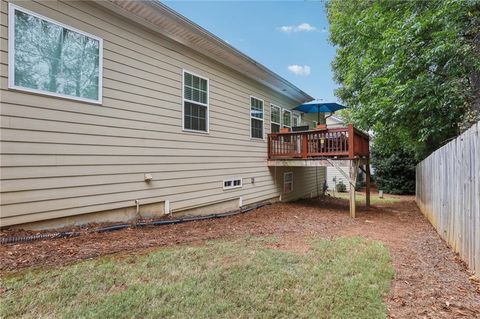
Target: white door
{"x":297,"y":120}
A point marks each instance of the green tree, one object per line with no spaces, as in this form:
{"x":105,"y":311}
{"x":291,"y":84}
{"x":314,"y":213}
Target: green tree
{"x":394,"y":171}
{"x":409,"y":70}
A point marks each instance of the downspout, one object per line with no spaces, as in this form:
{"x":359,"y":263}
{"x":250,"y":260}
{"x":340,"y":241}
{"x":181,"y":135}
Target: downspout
{"x":137,"y":213}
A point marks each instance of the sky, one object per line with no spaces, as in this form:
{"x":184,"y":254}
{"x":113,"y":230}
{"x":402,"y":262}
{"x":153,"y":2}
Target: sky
{"x":288,"y":37}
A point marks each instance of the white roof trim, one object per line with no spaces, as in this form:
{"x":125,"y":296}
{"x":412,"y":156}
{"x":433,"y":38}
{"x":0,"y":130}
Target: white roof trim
{"x":161,"y":19}
{"x":338,"y":119}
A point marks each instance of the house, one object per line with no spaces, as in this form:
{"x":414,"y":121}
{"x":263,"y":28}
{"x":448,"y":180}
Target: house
{"x":336,"y":175}
{"x":109,"y":108}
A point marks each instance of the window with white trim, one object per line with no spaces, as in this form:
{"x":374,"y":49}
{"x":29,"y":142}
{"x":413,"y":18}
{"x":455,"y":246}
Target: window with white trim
{"x":297,"y":119}
{"x":195,"y":102}
{"x":51,"y":58}
{"x":256,"y":118}
{"x":275,"y":118}
{"x":287,"y":118}
{"x":287,"y":182}
{"x":232,"y":183}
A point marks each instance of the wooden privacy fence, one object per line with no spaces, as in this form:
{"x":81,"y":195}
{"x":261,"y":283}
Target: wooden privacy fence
{"x":448,"y":194}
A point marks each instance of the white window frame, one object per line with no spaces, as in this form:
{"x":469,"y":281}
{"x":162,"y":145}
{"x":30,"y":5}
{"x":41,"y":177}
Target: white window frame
{"x":285,"y":182}
{"x":194,"y":102}
{"x":11,"y":56}
{"x":232,"y":180}
{"x":256,"y":118}
{"x":291,"y":119}
{"x":271,"y":121}
{"x":298,"y":116}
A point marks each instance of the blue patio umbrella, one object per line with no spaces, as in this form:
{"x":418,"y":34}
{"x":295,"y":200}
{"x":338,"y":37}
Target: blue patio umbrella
{"x":318,"y":107}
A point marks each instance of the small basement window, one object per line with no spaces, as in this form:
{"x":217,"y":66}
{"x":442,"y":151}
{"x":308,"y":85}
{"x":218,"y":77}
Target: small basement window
{"x":288,"y":182}
{"x":232,"y":183}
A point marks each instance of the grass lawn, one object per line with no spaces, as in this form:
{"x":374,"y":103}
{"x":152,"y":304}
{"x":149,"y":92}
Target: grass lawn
{"x":243,"y":278}
{"x":374,"y":199}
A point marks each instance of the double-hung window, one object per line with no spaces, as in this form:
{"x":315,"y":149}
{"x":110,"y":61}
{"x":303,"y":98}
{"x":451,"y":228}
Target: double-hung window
{"x":195,"y":102}
{"x":51,"y":58}
{"x":287,"y":118}
{"x":275,"y":118}
{"x":256,"y":118}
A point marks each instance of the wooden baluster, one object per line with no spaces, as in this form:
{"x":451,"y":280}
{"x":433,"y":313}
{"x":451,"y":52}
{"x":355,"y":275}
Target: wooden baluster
{"x":341,"y":141}
{"x":322,"y":144}
{"x":304,"y":142}
{"x":329,"y":142}
{"x":335,"y":142}
{"x":282,"y":145}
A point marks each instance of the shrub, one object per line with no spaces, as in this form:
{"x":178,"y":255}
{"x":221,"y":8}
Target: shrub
{"x":341,"y":187}
{"x":360,"y":180}
{"x":394,"y":171}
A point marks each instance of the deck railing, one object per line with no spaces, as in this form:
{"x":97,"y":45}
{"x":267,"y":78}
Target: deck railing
{"x":347,"y":142}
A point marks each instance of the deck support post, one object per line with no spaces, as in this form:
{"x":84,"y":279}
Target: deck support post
{"x":353,"y":165}
{"x":367,"y":183}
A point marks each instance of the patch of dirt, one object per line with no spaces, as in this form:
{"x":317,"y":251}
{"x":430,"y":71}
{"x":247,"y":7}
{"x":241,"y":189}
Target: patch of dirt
{"x":295,"y":244}
{"x":430,"y":280}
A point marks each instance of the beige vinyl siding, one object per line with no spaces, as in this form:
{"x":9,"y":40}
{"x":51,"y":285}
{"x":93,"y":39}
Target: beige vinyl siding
{"x":62,"y":157}
{"x":334,"y":122}
{"x":304,"y":181}
{"x":334,"y":172}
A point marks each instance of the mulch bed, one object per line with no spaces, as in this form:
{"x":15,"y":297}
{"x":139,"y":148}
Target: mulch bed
{"x":430,"y":280}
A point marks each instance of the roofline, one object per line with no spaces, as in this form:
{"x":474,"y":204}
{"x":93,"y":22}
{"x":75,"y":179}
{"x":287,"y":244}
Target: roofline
{"x":338,"y":119}
{"x":160,"y":18}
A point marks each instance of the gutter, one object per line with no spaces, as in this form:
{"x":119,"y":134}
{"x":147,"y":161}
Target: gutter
{"x":163,"y":20}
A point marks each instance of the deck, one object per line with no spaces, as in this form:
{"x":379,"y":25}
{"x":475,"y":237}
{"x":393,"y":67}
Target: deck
{"x":340,"y":143}
{"x":343,"y":146}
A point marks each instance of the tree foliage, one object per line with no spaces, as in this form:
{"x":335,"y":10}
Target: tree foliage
{"x":394,"y":171}
{"x":407,"y":69}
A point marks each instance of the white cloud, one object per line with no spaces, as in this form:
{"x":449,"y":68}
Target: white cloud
{"x":303,"y":27}
{"x":299,"y":70}
{"x":286,"y":28}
